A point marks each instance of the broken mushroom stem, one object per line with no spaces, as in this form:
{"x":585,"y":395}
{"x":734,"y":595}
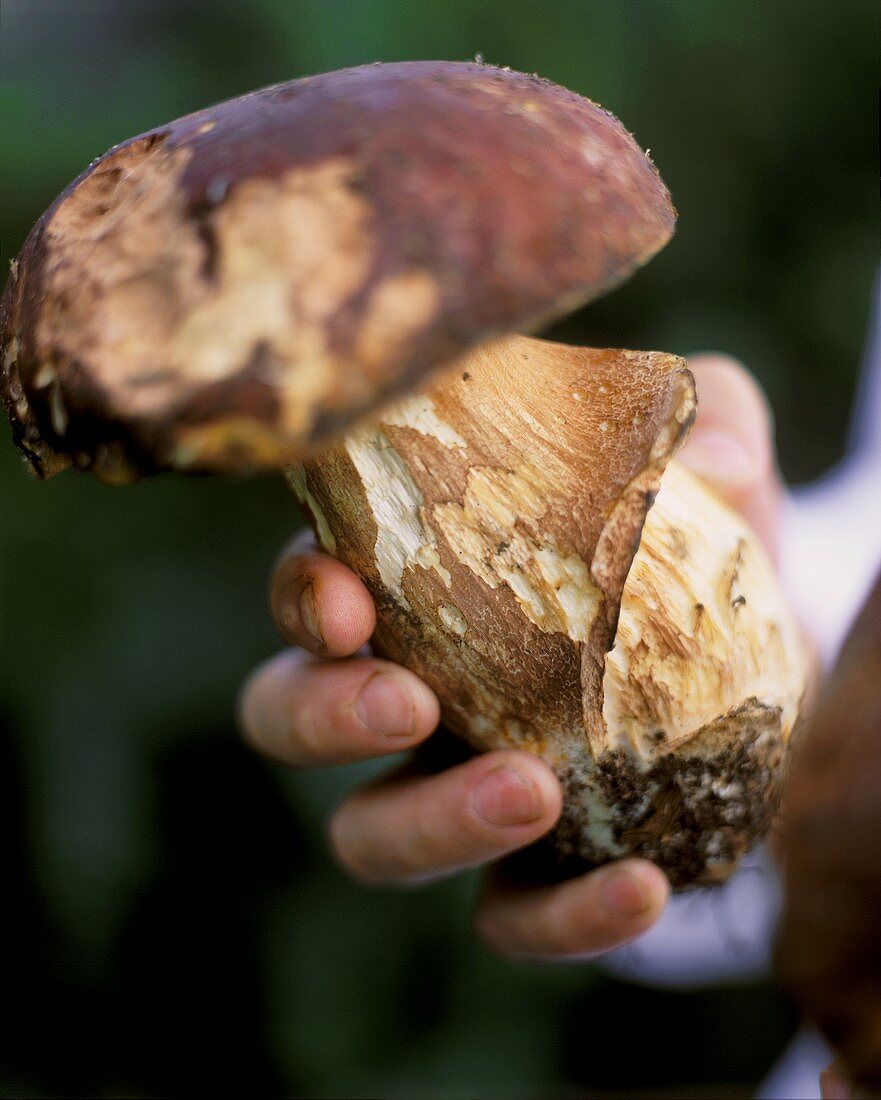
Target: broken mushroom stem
{"x":494,"y":518}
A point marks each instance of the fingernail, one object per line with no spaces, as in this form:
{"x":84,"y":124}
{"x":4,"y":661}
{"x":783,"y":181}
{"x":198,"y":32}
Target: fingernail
{"x":386,"y":706}
{"x":719,"y":456}
{"x":309,"y":615}
{"x":505,"y":797}
{"x":625,"y":894}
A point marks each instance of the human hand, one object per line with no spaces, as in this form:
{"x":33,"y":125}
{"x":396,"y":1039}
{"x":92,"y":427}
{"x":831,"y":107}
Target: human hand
{"x":325,"y":703}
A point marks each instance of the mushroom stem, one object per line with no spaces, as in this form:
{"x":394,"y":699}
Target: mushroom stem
{"x":495,"y":517}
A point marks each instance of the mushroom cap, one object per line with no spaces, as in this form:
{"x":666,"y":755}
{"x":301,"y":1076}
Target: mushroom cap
{"x":229,"y":291}
{"x":829,"y":937}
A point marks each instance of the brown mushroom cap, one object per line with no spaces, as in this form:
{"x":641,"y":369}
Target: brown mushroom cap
{"x":829,"y":946}
{"x":226,"y":292}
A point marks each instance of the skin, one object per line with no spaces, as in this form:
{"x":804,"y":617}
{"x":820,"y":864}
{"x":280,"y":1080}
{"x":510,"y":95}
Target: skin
{"x":325,"y":702}
{"x":834,"y":1085}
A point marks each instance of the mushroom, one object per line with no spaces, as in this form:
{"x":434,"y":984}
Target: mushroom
{"x":829,"y":947}
{"x":328,"y":276}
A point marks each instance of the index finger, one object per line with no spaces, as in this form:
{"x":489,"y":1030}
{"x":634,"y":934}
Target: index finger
{"x":318,"y":603}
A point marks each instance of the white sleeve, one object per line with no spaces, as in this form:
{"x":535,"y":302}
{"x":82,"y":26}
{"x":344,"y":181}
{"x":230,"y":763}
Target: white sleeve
{"x":831,"y":537}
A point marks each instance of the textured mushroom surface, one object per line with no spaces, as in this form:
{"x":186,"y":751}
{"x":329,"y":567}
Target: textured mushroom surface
{"x":495,"y":517}
{"x":241,"y":287}
{"x":829,"y":951}
{"x":224,"y":292}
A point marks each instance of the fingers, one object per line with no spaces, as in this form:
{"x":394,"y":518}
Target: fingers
{"x":408,"y":829}
{"x":732,"y":444}
{"x":577,"y":919}
{"x":305,"y":712}
{"x":318,"y":603}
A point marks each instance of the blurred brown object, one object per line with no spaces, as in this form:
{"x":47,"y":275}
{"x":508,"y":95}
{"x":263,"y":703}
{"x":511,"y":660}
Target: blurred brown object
{"x":829,"y":948}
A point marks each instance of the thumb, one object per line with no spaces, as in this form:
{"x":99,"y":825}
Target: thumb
{"x":732,"y":444}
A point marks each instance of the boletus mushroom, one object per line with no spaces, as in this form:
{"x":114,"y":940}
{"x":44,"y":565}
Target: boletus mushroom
{"x":829,"y":945}
{"x":328,"y":276}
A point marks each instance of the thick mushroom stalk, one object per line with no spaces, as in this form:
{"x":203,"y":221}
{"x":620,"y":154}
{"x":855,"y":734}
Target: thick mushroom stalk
{"x":495,"y":517}
{"x":246,"y":285}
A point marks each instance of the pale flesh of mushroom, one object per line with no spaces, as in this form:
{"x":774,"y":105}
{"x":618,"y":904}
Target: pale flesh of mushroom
{"x":494,"y":517}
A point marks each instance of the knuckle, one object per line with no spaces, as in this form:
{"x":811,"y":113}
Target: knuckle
{"x":428,"y":842}
{"x":339,"y":729}
{"x":361,"y":851}
{"x":512,"y":937}
{"x":338,"y":700}
{"x":304,"y":730}
{"x":422,"y":849}
{"x":447,"y":834}
{"x":600,"y":933}
{"x":558,"y":936}
{"x":564,"y":932}
{"x":326,"y":727}
{"x":304,"y":738}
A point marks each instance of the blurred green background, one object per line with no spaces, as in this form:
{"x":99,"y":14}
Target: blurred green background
{"x":174,"y":924}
